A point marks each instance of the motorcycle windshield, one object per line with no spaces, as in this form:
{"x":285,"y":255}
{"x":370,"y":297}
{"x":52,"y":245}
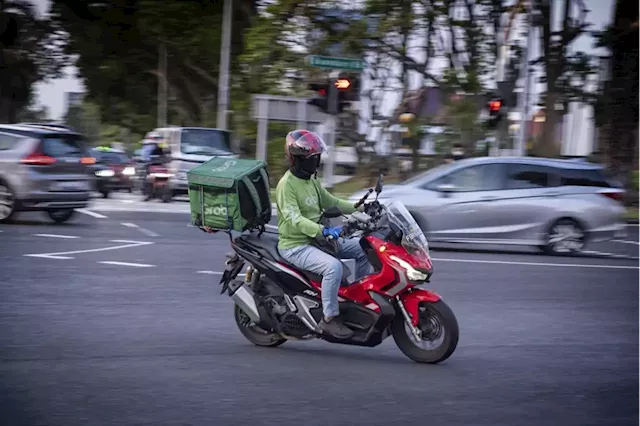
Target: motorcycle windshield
{"x":413,"y":239}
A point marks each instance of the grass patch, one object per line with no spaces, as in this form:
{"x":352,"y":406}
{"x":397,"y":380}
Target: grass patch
{"x":632,"y":213}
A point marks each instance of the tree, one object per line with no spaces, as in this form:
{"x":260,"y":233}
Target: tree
{"x":30,"y":51}
{"x":565,"y":73}
{"x":118,"y":43}
{"x":34,"y":113}
{"x":616,"y":108}
{"x":85,"y":119}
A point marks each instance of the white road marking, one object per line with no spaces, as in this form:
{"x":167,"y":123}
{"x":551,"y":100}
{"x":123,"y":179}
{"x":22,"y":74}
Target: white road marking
{"x":216,"y":273}
{"x":626,"y":242}
{"x":271,"y":227}
{"x":143,"y":230}
{"x":55,"y":236}
{"x":136,"y":265}
{"x":61,"y":255}
{"x":90,"y":213}
{"x":563,"y":265}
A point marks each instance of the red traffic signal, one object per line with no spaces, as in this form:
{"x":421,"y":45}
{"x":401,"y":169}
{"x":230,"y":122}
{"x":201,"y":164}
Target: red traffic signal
{"x":322,"y":92}
{"x":494,"y":106}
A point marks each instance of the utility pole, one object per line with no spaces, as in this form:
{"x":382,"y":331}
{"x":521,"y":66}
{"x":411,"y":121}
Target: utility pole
{"x":162,"y":85}
{"x":223,"y":74}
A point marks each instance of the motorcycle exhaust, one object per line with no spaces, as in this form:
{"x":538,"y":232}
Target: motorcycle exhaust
{"x":243,"y":296}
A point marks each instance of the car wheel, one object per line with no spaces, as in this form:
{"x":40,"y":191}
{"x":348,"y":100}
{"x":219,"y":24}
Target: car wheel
{"x":105,"y":194}
{"x":7,"y":203}
{"x":60,"y":215}
{"x":565,"y":236}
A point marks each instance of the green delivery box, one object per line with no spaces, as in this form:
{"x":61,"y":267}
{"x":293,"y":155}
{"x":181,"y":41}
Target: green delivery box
{"x":230,"y":194}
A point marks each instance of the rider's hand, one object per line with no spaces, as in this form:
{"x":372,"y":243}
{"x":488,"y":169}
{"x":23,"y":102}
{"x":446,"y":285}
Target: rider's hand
{"x":333,"y":232}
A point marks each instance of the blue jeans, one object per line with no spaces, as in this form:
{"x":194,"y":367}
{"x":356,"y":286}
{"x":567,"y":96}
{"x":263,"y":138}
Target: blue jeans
{"x":312,"y":259}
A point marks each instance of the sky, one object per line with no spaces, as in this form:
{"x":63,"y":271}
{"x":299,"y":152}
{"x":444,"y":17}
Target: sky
{"x":52,"y":93}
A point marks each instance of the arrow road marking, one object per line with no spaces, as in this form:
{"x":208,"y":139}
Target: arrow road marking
{"x":143,"y":230}
{"x":61,"y":255}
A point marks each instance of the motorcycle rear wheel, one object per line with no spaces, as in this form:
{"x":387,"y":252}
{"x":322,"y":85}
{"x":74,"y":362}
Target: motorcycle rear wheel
{"x":436,"y":320}
{"x":253,"y":333}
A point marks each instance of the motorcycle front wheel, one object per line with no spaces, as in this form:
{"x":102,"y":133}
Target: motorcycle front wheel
{"x":439,"y":331}
{"x":253,"y":333}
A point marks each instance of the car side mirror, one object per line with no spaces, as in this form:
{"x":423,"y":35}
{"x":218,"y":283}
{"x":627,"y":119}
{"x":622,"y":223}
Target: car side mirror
{"x":332,"y":212}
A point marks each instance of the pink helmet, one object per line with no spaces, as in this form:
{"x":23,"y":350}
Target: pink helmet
{"x":303,"y":143}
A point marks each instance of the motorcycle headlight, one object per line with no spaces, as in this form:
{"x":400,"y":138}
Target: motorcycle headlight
{"x":129,"y":171}
{"x":105,"y":173}
{"x":412,"y":273}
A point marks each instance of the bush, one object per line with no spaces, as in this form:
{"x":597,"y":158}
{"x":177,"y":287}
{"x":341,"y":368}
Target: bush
{"x":276,"y":162}
{"x":634,"y":180}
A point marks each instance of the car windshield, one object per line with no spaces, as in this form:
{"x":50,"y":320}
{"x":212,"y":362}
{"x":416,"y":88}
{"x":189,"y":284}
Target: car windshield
{"x":113,"y":157}
{"x":204,"y":142}
{"x":413,"y":240}
{"x":421,"y":176}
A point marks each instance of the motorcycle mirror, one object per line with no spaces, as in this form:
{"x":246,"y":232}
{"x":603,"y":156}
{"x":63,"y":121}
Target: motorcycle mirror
{"x":332,"y":212}
{"x":379,"y":185}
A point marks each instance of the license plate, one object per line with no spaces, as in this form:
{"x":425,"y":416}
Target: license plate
{"x":71,"y":186}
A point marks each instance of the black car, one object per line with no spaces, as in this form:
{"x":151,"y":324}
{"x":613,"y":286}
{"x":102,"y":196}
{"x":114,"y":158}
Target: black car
{"x":113,"y":171}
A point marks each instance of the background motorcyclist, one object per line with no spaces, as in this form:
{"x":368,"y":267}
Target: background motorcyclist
{"x":301,"y":198}
{"x":153,"y":152}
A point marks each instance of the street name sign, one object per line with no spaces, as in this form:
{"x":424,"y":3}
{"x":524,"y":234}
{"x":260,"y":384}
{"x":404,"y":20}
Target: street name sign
{"x":336,"y":63}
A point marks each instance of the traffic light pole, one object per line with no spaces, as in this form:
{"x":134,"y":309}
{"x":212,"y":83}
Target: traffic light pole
{"x":330,"y":131}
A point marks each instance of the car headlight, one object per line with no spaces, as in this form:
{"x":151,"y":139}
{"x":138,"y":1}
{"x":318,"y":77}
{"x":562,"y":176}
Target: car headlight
{"x":129,"y":171}
{"x":412,"y":273}
{"x":105,"y":173}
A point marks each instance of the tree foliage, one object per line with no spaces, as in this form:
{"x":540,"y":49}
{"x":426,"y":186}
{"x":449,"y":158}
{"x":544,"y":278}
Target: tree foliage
{"x":30,"y":52}
{"x":117,"y":45}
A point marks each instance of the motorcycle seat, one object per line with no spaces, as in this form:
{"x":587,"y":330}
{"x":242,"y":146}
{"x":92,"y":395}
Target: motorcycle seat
{"x":268,"y":243}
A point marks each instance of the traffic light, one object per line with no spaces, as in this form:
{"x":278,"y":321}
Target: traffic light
{"x":495,"y":112}
{"x":341,"y":90}
{"x":321,"y":99}
{"x":348,"y":91}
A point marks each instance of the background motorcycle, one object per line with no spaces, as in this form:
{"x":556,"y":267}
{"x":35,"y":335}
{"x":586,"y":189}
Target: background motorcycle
{"x":278,"y":302}
{"x":156,"y":184}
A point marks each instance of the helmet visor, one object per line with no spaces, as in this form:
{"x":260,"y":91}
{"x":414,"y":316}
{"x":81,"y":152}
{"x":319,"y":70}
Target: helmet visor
{"x":307,"y":144}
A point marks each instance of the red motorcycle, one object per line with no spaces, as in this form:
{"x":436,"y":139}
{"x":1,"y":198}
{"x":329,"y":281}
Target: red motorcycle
{"x":277,"y":302}
{"x":157,"y":183}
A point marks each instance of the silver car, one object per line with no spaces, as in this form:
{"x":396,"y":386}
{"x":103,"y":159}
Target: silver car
{"x":556,"y":205}
{"x":42,"y":168}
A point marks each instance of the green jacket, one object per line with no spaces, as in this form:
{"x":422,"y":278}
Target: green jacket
{"x":300,"y":204}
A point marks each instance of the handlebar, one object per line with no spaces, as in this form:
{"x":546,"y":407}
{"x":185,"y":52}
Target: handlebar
{"x":363,"y":199}
{"x":366,"y":222}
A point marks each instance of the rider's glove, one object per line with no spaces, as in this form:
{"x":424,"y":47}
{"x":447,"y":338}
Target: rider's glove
{"x":333,"y":232}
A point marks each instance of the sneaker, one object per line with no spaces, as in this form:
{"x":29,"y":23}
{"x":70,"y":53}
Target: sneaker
{"x":336,"y":328}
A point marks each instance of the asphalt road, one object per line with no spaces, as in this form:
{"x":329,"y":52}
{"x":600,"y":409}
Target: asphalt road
{"x":138,"y":335}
